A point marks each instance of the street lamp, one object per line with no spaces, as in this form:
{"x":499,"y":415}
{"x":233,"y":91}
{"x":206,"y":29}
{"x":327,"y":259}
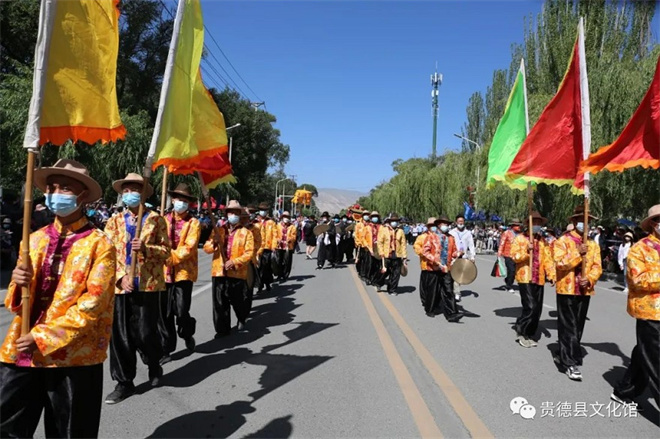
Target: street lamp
{"x":230,"y":148}
{"x":476,"y":188}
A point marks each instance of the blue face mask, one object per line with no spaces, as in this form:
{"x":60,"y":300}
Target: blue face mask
{"x":444,"y":229}
{"x":395,"y":224}
{"x":336,"y":220}
{"x":262,"y":213}
{"x":536,"y":229}
{"x":580,"y":227}
{"x":131,"y":199}
{"x":366,"y":217}
{"x":374,"y":220}
{"x":434,"y":229}
{"x":180,"y":206}
{"x":61,"y":204}
{"x":233,"y":219}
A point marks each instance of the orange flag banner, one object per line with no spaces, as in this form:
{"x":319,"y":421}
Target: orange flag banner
{"x":639,"y":142}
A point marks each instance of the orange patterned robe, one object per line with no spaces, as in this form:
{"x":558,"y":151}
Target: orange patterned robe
{"x":432,"y":250}
{"x":567,"y":259}
{"x":241,"y":251}
{"x":644,"y":279}
{"x":157,"y":249}
{"x":183,"y":259}
{"x":75,"y":329}
{"x":520,"y":255}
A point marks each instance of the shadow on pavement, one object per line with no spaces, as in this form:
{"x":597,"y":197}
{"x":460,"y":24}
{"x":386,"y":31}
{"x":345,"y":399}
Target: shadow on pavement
{"x":609,"y":348}
{"x":280,"y":369}
{"x":279,"y":428}
{"x":406,"y":289}
{"x":466,"y":293}
{"x":513,"y":312}
{"x":647,"y":410}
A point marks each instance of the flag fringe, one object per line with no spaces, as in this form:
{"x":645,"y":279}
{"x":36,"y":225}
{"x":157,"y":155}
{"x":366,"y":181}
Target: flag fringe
{"x":90,"y":135}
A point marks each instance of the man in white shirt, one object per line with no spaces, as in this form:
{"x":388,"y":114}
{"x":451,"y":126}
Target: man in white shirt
{"x":464,"y":246}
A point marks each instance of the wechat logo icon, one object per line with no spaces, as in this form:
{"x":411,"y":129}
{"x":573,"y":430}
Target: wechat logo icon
{"x":520,"y":406}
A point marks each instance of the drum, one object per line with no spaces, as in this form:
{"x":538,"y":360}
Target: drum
{"x":321,"y":228}
{"x":463,"y":271}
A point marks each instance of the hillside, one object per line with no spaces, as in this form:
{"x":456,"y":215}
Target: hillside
{"x":334,"y":200}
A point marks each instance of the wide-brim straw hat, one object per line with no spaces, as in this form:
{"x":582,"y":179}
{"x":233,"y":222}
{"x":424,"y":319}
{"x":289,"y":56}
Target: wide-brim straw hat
{"x":234,"y":205}
{"x":132,"y":178}
{"x":182,"y":190}
{"x":71,"y":169}
{"x":375,"y":213}
{"x":443,"y":219}
{"x":578,"y":213}
{"x":629,"y":234}
{"x":536,"y":216}
{"x":515,"y":222}
{"x":263,"y":206}
{"x":286,"y":214}
{"x":653,"y":213}
{"x":394,"y":217}
{"x":431,"y":221}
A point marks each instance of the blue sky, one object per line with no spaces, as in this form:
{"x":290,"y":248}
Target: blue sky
{"x":349,"y":81}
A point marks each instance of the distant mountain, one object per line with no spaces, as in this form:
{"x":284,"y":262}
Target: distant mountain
{"x":334,"y":200}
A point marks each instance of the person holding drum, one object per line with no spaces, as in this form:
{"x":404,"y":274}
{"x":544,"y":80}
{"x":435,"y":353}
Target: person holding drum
{"x":531,"y":276}
{"x":465,"y":246}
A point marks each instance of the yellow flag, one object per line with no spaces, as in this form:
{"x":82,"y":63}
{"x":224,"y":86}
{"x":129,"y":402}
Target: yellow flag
{"x":75,"y":74}
{"x":189,"y":127}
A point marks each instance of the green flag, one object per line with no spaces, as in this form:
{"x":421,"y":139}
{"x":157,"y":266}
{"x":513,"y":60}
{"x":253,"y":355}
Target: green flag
{"x":510,"y":135}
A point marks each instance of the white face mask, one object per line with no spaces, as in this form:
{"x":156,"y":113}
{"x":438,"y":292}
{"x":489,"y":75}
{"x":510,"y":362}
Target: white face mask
{"x":286,"y":220}
{"x":580,"y":227}
{"x":460,"y":226}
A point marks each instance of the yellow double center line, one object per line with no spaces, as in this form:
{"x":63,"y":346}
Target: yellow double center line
{"x":420,"y":411}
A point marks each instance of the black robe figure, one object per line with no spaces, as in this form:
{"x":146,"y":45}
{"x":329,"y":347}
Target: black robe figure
{"x":327,"y":247}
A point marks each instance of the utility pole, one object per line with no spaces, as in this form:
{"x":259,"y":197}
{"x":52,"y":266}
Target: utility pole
{"x":436,"y":81}
{"x":256,"y":105}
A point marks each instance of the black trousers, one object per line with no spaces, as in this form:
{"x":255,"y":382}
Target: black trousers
{"x":265,"y":269}
{"x":510,"y":272}
{"x":393,"y":266}
{"x":374,"y":275}
{"x":135,"y":329}
{"x":643,"y":369}
{"x":446,"y":293}
{"x":572,"y":312}
{"x":365,"y":263}
{"x":228,"y":293}
{"x":428,"y":289}
{"x":349,"y":249}
{"x":359,"y":262}
{"x":326,"y":253}
{"x":250,"y":290}
{"x":71,"y":396}
{"x":531,"y":298}
{"x":174,"y":318}
{"x":285,"y":260}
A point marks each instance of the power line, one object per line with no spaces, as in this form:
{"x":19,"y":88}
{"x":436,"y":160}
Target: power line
{"x":232,"y":66}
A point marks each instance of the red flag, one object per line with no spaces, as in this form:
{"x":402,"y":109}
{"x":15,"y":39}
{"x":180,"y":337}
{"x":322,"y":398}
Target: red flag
{"x":554,"y":148}
{"x":639,"y":142}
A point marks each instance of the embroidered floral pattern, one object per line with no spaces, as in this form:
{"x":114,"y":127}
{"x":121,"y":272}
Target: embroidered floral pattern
{"x":542,"y":260}
{"x":241,"y":250}
{"x":568,"y":260}
{"x":644,"y":279}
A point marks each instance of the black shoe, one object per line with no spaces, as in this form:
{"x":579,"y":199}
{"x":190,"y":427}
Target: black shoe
{"x":190,"y":344}
{"x":616,"y":397}
{"x":268,"y":287}
{"x":241,"y":327}
{"x":155,"y":373}
{"x":166,"y":359}
{"x":121,"y":392}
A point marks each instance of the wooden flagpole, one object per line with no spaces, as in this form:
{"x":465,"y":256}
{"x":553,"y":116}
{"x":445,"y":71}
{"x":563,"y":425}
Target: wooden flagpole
{"x":146,"y":174}
{"x":163,"y":195}
{"x":530,"y":206}
{"x":25,"y":243}
{"x":206,"y":196}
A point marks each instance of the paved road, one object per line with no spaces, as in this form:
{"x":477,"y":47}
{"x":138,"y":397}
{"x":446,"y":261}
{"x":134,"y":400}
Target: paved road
{"x":326,"y":356}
